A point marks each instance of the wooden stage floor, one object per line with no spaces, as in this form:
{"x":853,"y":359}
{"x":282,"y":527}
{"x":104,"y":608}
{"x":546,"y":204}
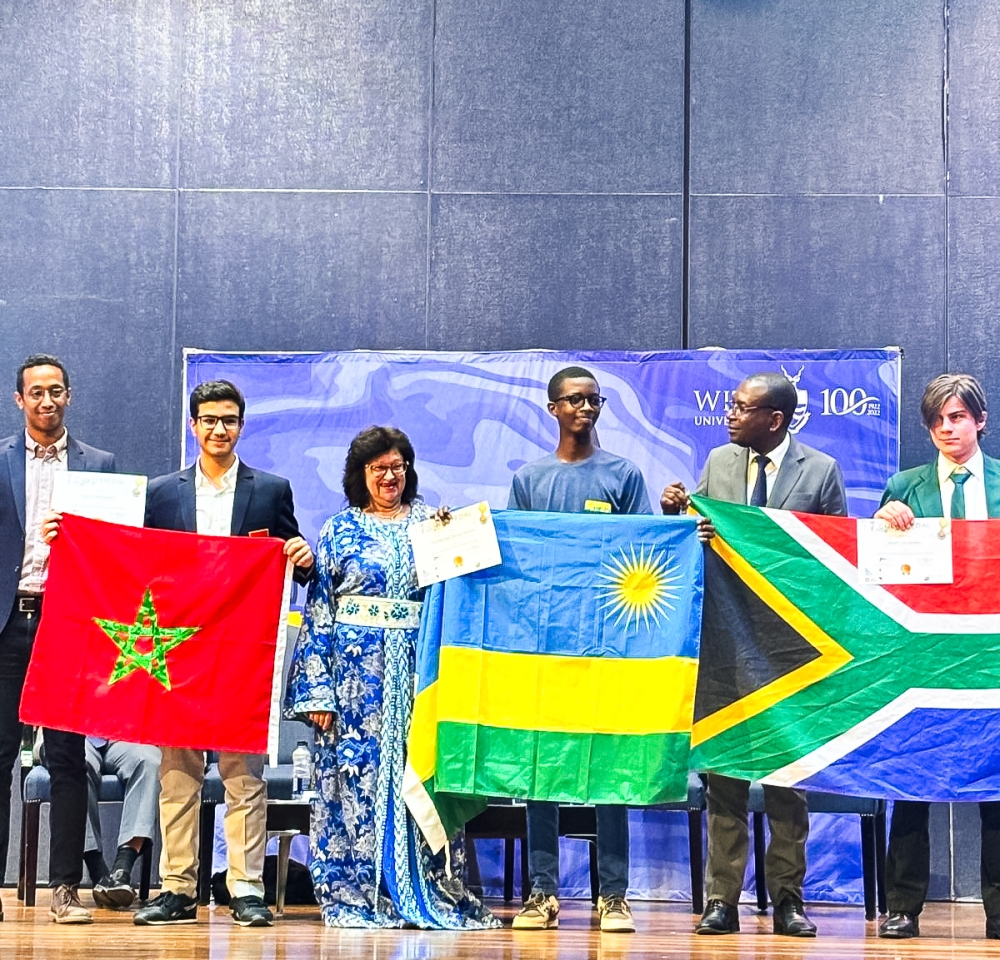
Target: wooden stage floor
{"x":949,"y":931}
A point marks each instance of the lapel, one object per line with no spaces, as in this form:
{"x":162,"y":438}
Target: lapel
{"x":788,"y":475}
{"x":185,"y":499}
{"x":991,"y":477}
{"x":241,"y":500}
{"x":15,"y":468}
{"x":76,"y":459}
{"x":737,"y":478}
{"x":925,"y":495}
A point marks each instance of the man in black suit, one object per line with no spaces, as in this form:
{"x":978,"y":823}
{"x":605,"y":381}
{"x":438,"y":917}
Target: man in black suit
{"x":29,"y":461}
{"x":221,"y":496}
{"x":764,"y":465}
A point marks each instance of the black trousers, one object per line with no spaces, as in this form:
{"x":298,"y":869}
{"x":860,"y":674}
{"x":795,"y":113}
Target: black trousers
{"x":65,"y":759}
{"x":908,"y":863}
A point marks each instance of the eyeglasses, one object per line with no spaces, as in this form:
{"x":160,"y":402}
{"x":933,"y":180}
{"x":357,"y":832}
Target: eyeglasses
{"x":210,"y":423}
{"x":577,"y":400}
{"x":738,"y":409}
{"x":380,"y":470}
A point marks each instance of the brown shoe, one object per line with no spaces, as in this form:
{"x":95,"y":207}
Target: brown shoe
{"x":66,"y":906}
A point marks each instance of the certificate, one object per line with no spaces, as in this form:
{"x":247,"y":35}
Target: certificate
{"x":921,"y":554}
{"x":114,"y":497}
{"x":467,"y":543}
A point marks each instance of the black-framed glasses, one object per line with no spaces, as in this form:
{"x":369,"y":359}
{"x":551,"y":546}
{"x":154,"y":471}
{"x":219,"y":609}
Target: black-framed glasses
{"x":210,"y":423}
{"x":577,"y":400}
{"x":380,"y":470}
{"x":738,"y":409}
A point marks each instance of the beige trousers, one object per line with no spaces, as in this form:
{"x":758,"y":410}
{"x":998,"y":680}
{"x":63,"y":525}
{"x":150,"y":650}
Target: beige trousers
{"x":182,"y":773}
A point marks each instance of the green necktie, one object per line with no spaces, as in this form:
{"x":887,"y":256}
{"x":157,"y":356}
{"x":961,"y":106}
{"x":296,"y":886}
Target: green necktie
{"x":958,"y":476}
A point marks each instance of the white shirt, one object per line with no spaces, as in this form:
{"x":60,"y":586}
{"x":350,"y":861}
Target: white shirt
{"x":39,"y":477}
{"x":214,"y":505}
{"x":975,"y":486}
{"x":771,"y":470}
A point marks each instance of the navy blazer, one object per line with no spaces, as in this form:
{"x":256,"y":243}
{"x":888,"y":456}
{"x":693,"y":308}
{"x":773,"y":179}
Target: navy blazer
{"x":262,"y":501}
{"x":12,"y":497}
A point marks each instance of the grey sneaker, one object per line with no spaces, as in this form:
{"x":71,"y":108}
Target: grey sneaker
{"x":66,"y":906}
{"x":615,"y":914}
{"x":540,"y":912}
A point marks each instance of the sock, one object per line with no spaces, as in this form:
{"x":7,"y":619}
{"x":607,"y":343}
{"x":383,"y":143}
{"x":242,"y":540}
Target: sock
{"x":125,"y":858}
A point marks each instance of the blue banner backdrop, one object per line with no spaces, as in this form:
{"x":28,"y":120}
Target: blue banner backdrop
{"x":475,"y":418}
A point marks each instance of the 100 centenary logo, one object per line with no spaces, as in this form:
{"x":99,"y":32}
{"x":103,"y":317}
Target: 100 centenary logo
{"x":837,"y":402}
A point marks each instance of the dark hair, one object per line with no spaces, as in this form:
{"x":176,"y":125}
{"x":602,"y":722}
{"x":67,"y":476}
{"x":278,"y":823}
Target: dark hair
{"x":365,"y":447}
{"x":40,"y":360}
{"x":779,"y":392}
{"x":215,"y":391}
{"x":567,"y":373}
{"x":941,"y":389}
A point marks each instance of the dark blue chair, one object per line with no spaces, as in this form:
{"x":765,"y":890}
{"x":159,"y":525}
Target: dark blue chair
{"x":507,"y":821}
{"x":872,"y":814}
{"x":37,"y":790}
{"x":279,"y":788}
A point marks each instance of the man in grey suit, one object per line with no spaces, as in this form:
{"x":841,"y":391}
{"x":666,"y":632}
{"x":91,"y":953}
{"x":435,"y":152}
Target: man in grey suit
{"x":29,"y":461}
{"x":763,"y":466}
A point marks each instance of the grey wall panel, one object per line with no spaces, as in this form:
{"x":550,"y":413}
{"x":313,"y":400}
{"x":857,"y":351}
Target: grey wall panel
{"x":792,"y":97}
{"x":558,"y":96}
{"x":87,"y":93}
{"x":589,"y":273}
{"x":824,"y":272}
{"x":974,"y":298}
{"x":300,"y":271}
{"x":307,"y":94}
{"x":974,"y":61}
{"x":88,"y":275}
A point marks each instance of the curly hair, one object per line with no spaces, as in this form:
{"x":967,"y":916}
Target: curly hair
{"x":365,"y":447}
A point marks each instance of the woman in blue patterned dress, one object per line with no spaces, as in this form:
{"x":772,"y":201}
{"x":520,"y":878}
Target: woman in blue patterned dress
{"x":352,"y":677}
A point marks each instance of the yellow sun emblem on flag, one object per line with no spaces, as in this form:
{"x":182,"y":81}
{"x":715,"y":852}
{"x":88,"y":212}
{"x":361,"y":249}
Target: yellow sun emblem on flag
{"x":639,"y":587}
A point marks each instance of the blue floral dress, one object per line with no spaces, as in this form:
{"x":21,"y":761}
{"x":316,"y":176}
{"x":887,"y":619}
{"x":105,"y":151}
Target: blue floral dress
{"x":371,"y":866}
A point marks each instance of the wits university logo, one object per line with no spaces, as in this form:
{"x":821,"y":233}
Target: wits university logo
{"x":837,"y":402}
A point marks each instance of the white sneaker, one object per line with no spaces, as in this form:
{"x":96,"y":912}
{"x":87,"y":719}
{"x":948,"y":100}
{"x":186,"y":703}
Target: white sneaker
{"x":615,"y":914}
{"x":541,"y":912}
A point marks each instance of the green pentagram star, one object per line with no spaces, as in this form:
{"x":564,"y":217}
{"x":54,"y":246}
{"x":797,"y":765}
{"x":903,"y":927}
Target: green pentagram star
{"x":126,"y":636}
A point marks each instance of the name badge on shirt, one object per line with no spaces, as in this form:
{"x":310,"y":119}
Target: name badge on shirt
{"x":258,"y":533}
{"x":596,"y":506}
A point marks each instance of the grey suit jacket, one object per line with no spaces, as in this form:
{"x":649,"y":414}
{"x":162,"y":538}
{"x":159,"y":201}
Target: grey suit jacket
{"x":807,"y":481}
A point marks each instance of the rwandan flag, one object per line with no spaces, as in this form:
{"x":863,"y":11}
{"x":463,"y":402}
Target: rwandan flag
{"x":813,"y":679}
{"x":566,"y":673}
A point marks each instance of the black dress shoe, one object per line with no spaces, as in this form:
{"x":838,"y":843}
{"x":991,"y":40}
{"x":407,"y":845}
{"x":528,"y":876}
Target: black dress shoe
{"x":790,"y":920}
{"x":719,"y":917}
{"x":992,"y":928}
{"x":902,"y":926}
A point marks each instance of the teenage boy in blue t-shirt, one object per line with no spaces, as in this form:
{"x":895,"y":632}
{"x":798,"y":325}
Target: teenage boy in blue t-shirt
{"x":578,"y":478}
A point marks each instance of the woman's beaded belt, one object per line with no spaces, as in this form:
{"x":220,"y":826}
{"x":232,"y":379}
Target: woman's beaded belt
{"x":378,"y":612}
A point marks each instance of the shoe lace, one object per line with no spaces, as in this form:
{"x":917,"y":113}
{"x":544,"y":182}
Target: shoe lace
{"x":537,"y":901}
{"x":615,"y":904}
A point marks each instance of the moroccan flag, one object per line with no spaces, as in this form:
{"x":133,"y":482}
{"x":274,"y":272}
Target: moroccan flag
{"x":812,"y":678}
{"x":566,"y":673}
{"x":158,"y":637}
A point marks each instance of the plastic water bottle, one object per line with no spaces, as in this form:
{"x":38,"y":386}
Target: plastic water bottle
{"x":302,"y":771}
